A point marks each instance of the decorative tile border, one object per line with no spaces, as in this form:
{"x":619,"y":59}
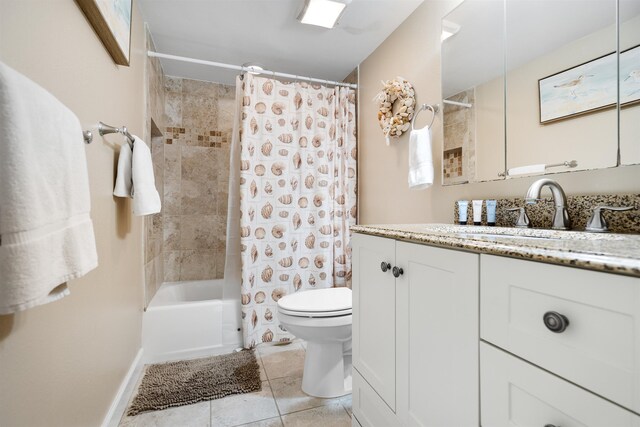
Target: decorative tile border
{"x":580,"y":209}
{"x":196,"y":137}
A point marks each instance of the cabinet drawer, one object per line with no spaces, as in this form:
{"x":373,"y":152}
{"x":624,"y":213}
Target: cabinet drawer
{"x":600,"y":347}
{"x":368,"y":407}
{"x":516,"y":393}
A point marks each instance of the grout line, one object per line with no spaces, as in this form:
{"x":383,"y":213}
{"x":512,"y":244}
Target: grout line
{"x":345,"y":409}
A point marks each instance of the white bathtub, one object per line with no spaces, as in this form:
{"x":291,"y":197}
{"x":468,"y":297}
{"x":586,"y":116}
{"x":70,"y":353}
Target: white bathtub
{"x":190,"y":319}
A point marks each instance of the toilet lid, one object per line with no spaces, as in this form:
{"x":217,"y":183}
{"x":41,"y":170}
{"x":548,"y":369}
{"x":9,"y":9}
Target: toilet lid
{"x":317,"y":301}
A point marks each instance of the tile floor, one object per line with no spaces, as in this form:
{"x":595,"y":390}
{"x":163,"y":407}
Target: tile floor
{"x":280,"y":403}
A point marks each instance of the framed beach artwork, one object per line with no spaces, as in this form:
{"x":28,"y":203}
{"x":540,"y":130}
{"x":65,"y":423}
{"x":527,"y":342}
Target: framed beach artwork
{"x":591,"y":86}
{"x":111,"y":20}
{"x":585,"y":88}
{"x":630,"y":76}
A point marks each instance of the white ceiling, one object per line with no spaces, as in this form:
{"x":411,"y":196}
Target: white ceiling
{"x":267,"y":32}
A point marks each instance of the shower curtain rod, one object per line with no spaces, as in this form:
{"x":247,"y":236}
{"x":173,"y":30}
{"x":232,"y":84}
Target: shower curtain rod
{"x":242,"y":69}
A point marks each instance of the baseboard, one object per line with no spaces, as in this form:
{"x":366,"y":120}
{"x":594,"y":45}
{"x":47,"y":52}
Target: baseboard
{"x":117,"y":405}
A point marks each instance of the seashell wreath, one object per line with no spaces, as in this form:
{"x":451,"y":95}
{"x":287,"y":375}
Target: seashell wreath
{"x":395,"y":91}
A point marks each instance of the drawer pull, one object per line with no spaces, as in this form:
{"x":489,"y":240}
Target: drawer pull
{"x":549,"y":425}
{"x":397,"y":272}
{"x":385,"y":266}
{"x":557,"y":323}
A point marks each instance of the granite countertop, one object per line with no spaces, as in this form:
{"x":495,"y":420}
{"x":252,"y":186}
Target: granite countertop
{"x":608,"y":252}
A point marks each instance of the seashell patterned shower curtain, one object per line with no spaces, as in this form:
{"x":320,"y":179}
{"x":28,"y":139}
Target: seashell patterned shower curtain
{"x":297,"y":195}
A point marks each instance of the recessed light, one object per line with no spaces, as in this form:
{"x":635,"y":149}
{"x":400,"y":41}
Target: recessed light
{"x":322,"y":13}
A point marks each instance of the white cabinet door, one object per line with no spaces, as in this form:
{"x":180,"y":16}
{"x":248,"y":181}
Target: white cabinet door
{"x":437,"y":299}
{"x":374,"y":324}
{"x":516,"y":393}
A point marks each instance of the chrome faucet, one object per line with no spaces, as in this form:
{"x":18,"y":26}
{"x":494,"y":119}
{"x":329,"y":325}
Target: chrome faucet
{"x":561,"y":219}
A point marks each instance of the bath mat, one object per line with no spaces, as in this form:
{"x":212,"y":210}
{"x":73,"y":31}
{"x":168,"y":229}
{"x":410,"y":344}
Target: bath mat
{"x":185,"y":382}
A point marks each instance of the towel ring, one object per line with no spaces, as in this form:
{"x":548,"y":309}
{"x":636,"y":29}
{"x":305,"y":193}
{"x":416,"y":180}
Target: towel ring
{"x":434,"y":110}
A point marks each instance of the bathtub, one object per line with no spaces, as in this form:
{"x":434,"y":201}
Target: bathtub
{"x":190,"y":319}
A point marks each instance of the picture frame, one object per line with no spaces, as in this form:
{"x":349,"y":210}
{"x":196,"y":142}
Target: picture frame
{"x":111,"y":20}
{"x":630,"y":76}
{"x":591,"y":86}
{"x":582,"y":89}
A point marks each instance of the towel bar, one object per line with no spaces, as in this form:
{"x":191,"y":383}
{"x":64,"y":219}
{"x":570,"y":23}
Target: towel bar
{"x":105,"y":129}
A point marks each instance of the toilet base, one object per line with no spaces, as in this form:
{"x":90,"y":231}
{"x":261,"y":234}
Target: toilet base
{"x":327,"y":370}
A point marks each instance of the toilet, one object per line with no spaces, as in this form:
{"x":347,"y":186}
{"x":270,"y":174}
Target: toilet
{"x":321,"y":317}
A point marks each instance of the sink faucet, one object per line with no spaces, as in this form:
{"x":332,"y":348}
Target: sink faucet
{"x":561,"y":219}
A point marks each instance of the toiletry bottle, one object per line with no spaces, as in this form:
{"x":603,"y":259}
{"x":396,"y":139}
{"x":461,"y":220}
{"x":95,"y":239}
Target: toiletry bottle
{"x":477,"y":212}
{"x":462,"y":211}
{"x":491,"y":212}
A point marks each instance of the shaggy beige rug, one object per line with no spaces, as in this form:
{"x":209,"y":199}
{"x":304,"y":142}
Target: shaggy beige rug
{"x":185,"y":382}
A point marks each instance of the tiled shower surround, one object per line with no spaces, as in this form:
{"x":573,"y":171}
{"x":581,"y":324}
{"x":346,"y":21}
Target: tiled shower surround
{"x":458,"y":159}
{"x":198,"y":121}
{"x":153,"y":242}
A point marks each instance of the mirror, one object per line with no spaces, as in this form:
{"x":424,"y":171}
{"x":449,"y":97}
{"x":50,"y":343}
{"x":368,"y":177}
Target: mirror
{"x":561,"y":85}
{"x":629,"y":82}
{"x":473,"y":92}
{"x":543,"y":78}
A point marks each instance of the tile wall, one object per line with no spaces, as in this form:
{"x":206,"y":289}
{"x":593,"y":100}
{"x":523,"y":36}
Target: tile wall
{"x":198,"y":120}
{"x":153,"y":241}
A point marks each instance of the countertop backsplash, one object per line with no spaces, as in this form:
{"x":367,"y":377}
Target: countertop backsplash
{"x":580,"y":209}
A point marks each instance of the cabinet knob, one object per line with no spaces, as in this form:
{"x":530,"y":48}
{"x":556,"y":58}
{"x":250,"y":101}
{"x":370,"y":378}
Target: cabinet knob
{"x":397,"y":272}
{"x":555,"y":322}
{"x":385,"y":266}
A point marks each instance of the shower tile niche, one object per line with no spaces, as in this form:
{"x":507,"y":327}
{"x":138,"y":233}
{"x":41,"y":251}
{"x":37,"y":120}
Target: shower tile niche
{"x":198,"y":119}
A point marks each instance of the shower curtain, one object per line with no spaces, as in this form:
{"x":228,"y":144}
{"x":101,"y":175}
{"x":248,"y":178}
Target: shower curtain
{"x":297,"y":195}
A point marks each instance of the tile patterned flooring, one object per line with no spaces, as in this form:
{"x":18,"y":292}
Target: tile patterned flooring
{"x":280,"y":403}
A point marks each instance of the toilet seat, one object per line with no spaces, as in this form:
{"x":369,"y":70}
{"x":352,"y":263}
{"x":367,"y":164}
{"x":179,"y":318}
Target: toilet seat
{"x":331,"y":302}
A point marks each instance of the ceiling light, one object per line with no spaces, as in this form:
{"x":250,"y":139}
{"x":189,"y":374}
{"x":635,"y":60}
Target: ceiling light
{"x":448,"y":29}
{"x":323,"y":13}
{"x":253,"y":67}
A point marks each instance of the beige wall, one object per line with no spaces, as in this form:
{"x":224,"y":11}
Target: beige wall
{"x":413,"y":52}
{"x":62,"y":363}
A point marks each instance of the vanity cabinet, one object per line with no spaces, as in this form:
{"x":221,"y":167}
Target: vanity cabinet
{"x":561,"y":345}
{"x":415,"y":336}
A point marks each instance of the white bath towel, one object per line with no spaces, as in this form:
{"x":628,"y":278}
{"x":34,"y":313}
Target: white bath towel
{"x":123,"y":176}
{"x":46,"y":234}
{"x":146,"y":200}
{"x":420,"y":159}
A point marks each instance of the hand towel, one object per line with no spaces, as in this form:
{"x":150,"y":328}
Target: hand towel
{"x":123,"y":176}
{"x":146,"y":200}
{"x":46,"y":233}
{"x":420,"y":159}
{"x":527,"y":170}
